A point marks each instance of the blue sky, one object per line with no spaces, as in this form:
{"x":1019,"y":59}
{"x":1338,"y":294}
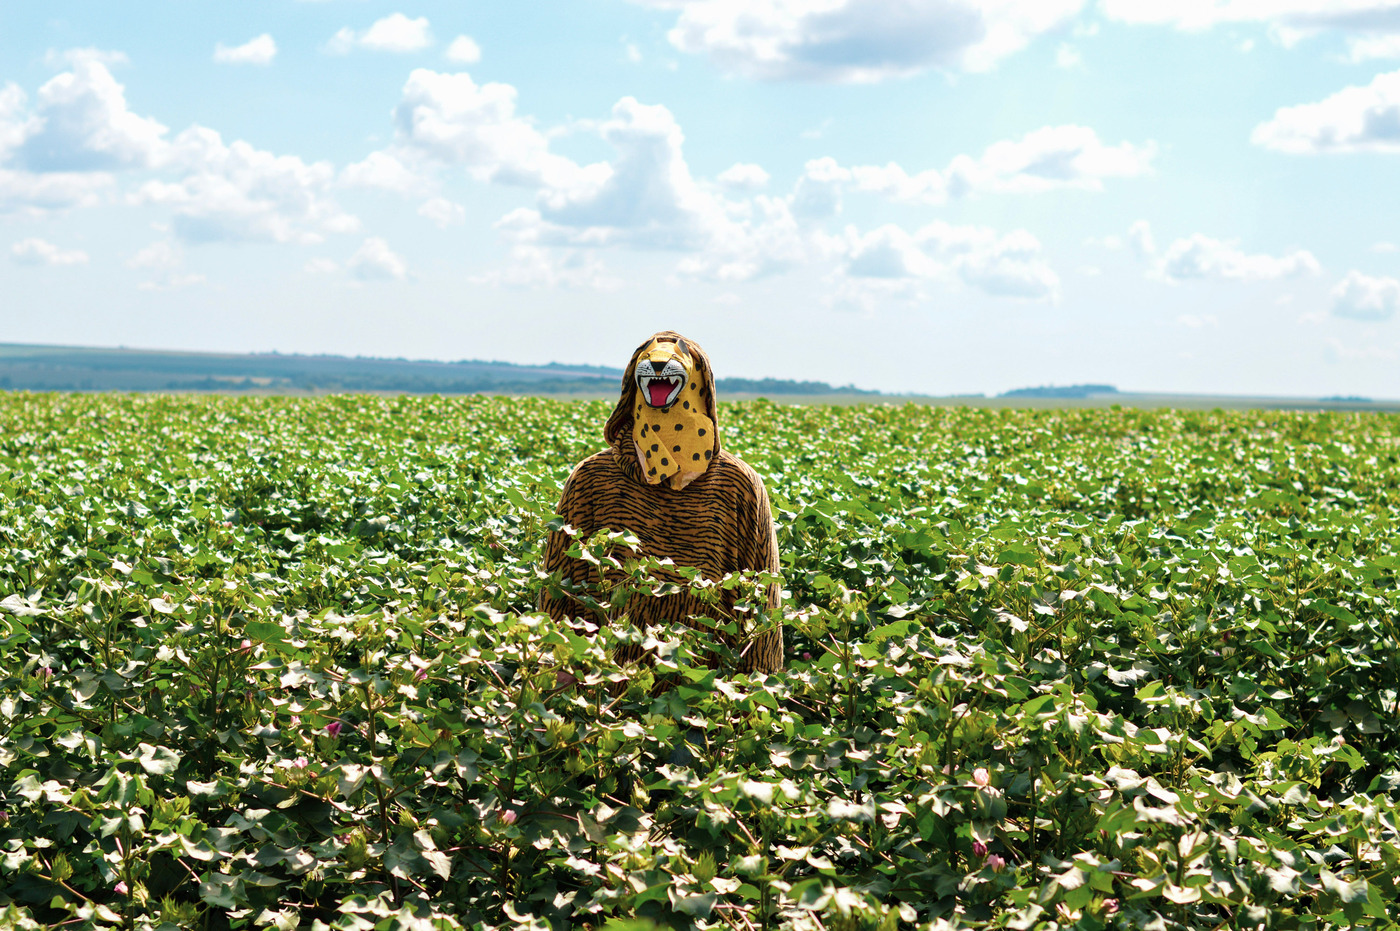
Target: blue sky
{"x":935,"y":196}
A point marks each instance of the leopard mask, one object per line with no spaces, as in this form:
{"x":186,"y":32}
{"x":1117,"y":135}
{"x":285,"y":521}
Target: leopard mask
{"x":668,"y":396}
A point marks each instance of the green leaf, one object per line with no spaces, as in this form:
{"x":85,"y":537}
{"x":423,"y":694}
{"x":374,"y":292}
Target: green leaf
{"x":1356,"y":890}
{"x":158,"y":761}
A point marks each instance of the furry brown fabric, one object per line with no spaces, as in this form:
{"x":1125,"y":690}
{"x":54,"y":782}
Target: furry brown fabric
{"x":719,"y":523}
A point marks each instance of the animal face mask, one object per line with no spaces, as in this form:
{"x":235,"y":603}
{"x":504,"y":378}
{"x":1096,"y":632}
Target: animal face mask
{"x":673,"y":436}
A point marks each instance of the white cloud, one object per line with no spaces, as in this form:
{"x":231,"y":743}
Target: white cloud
{"x":645,"y":198}
{"x":743,"y":177}
{"x":398,"y":33}
{"x":634,"y":54}
{"x":343,"y":42}
{"x":1362,"y":297}
{"x":1140,"y":238}
{"x":236,"y":192}
{"x":385,"y":171}
{"x":1007,"y":265}
{"x":1356,"y":119}
{"x":321,"y":266}
{"x":1368,"y":47}
{"x":864,"y":295}
{"x":818,"y":192}
{"x":1288,"y":16}
{"x":82,"y":123}
{"x":443,"y":212}
{"x":865,"y":41}
{"x":258,"y":51}
{"x":158,"y":255}
{"x":394,"y":33}
{"x":451,"y":118}
{"x":83,"y":132}
{"x":888,"y":252}
{"x":1045,"y":159}
{"x":14,"y":121}
{"x":34,"y":251}
{"x":1068,"y":57}
{"x":375,"y":261}
{"x":30,"y":191}
{"x":464,"y":51}
{"x":164,"y":259}
{"x":534,"y":267}
{"x":1051,"y":157}
{"x":768,"y":241}
{"x":1385,"y":247}
{"x":1201,"y":257}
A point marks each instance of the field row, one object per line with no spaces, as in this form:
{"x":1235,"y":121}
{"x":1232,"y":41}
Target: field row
{"x":274,"y":662}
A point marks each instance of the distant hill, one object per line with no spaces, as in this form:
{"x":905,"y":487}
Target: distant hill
{"x":70,"y":368}
{"x":1067,"y":391}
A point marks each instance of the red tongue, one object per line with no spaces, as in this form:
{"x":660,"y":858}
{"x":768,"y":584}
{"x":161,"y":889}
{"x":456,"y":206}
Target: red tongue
{"x":659,"y":391}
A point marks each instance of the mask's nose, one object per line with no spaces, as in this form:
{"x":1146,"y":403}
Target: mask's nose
{"x":658,"y":364}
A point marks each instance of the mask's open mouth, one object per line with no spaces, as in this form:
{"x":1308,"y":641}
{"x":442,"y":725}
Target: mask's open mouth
{"x":661,"y":390}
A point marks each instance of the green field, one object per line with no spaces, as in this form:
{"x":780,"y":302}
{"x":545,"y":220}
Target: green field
{"x":271,"y":662}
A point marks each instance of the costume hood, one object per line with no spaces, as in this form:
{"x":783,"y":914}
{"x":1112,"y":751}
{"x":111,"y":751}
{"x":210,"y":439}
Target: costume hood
{"x":696,"y":397}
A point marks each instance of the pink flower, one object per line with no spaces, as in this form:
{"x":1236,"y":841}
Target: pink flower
{"x":1110,"y":905}
{"x":246,"y":646}
{"x":996,"y":863}
{"x":807,"y":656}
{"x":981,"y":777}
{"x":334,"y":729}
{"x":509,"y":816}
{"x":420,"y":675}
{"x":120,"y":888}
{"x":979,"y":849}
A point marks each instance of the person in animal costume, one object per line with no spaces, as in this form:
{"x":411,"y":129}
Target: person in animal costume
{"x":665,"y":478}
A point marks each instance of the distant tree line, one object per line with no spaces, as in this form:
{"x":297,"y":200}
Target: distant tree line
{"x":1060,"y":391}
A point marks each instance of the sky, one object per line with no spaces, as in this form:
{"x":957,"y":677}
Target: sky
{"x":920,"y":196}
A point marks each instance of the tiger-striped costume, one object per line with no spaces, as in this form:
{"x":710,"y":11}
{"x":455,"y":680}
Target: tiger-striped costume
{"x":712,"y":514}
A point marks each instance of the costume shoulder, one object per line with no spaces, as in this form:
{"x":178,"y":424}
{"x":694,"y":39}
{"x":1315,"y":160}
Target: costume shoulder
{"x":602,"y":462}
{"x":743,"y":472}
{"x":601,"y":468}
